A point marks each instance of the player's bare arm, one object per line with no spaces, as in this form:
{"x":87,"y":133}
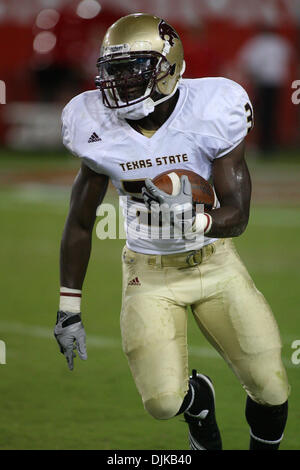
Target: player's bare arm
{"x":88,"y":191}
{"x":233,"y":188}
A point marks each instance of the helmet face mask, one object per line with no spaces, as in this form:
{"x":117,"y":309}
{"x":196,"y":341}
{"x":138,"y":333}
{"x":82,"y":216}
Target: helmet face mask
{"x":141,"y":59}
{"x":129,"y":79}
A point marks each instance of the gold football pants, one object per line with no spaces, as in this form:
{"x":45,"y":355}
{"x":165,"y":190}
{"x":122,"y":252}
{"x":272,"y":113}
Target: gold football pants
{"x":229,"y":310}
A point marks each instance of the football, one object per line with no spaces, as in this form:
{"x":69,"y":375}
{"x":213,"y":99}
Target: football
{"x":202,"y":190}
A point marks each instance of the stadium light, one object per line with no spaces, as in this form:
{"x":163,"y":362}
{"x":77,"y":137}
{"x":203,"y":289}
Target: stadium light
{"x":88,"y":9}
{"x":44,"y":42}
{"x":47,"y":18}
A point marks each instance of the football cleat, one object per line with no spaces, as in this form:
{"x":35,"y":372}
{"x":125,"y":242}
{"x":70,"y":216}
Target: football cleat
{"x":204,"y":433}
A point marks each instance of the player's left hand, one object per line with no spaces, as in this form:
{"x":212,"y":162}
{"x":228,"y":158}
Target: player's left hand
{"x":179,"y":206}
{"x":70,"y":335}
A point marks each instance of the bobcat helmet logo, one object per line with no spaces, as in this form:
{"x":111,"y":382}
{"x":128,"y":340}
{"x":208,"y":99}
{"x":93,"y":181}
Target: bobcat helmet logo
{"x":166,"y":30}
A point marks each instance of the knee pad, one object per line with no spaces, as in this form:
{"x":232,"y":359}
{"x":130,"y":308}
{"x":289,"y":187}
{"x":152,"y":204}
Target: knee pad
{"x":269,"y":385}
{"x":164,"y":406}
{"x":275,"y":392}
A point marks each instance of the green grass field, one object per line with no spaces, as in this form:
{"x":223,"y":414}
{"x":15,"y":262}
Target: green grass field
{"x":43,"y":404}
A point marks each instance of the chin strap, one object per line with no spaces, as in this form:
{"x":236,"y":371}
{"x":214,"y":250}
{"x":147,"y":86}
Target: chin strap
{"x":167,"y":97}
{"x":143,"y":108}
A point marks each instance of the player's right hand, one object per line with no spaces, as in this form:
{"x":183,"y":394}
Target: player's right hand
{"x":70,"y":335}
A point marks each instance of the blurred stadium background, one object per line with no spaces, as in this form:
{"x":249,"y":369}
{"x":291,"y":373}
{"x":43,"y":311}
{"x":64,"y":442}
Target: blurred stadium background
{"x":48,"y":54}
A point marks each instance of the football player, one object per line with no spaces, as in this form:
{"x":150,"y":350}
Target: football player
{"x":144,"y":119}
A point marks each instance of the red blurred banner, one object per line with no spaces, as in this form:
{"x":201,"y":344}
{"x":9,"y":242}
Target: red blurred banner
{"x":49,"y":49}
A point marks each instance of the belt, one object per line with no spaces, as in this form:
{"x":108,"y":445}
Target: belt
{"x":183,"y":260}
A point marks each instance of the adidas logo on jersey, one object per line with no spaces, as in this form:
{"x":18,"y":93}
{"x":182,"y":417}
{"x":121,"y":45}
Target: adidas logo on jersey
{"x":94,"y":138}
{"x":134,"y":282}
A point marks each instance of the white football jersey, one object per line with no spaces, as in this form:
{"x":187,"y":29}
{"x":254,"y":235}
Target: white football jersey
{"x":212,"y":116}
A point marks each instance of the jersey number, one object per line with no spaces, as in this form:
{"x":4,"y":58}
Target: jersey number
{"x":250,"y":118}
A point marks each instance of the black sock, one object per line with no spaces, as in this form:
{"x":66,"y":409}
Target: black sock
{"x":266,"y":423}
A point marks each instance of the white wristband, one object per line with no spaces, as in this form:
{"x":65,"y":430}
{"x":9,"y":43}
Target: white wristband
{"x":70,"y":300}
{"x":202,"y":223}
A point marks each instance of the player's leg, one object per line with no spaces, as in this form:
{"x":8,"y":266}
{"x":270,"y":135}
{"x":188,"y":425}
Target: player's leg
{"x":267,"y":424}
{"x":236,"y":319}
{"x":153,"y":325}
{"x":154,"y":341}
{"x":153,"y":328}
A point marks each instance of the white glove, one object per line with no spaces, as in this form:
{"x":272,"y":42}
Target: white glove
{"x":178,"y":209}
{"x":70,"y":335}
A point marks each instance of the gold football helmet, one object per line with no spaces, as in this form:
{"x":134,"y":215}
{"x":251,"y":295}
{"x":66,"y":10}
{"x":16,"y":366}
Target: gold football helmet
{"x":141,"y":58}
